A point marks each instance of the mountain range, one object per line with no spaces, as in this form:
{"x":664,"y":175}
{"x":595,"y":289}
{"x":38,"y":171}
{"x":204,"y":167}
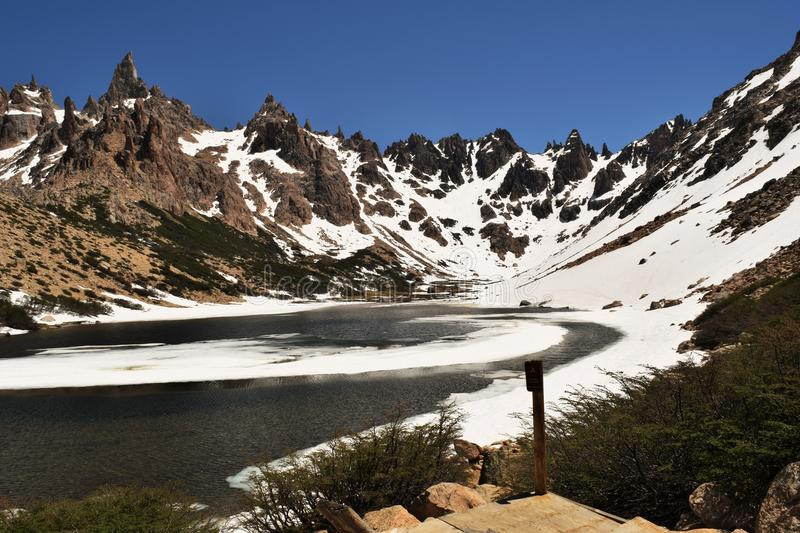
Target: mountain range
{"x":133,"y":195}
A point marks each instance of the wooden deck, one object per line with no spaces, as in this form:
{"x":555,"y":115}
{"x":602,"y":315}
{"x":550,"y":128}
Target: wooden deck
{"x":549,"y":513}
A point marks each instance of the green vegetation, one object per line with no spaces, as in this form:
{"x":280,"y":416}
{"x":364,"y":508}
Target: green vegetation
{"x":119,"y":510}
{"x":723,"y":321}
{"x":384,"y":466}
{"x":642,"y":446}
{"x":47,"y":303}
{"x":15,"y":316}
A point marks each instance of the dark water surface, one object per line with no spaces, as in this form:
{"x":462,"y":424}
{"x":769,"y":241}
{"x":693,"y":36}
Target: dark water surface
{"x":68,"y":442}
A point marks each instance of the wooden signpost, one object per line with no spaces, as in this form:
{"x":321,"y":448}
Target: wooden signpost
{"x":534,"y":382}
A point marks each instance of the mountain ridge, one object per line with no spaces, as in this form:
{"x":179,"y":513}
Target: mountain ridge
{"x":456,"y":208}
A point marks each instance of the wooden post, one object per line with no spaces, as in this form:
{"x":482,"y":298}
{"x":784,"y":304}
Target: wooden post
{"x":342,"y":517}
{"x":534,"y":381}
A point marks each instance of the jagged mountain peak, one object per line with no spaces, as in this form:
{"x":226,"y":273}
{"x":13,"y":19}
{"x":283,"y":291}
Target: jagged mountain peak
{"x":338,"y":195}
{"x":273,"y":109}
{"x":574,"y":138}
{"x":647,"y":149}
{"x":125,"y":83}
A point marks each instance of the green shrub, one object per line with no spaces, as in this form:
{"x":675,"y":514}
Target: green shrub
{"x":121,"y":510}
{"x":47,"y":303}
{"x":641,"y":448}
{"x":723,"y":321}
{"x":127,"y":304}
{"x":384,"y":466}
{"x":15,"y":316}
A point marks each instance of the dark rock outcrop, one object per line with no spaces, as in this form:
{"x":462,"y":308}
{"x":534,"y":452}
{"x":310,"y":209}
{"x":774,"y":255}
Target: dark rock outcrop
{"x":572,"y":165}
{"x":569,"y":212}
{"x":323,"y":184}
{"x":68,"y":131}
{"x":606,"y":177}
{"x":487,"y":213}
{"x":431,"y":230}
{"x":91,"y":110}
{"x":416,"y":212}
{"x":655,"y":143}
{"x":501,"y":241}
{"x":495,"y":150}
{"x":522,"y":179}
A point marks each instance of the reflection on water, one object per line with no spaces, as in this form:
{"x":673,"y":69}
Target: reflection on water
{"x":67,"y":442}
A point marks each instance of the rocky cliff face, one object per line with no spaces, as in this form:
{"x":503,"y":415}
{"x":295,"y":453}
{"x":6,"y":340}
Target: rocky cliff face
{"x":320,"y":195}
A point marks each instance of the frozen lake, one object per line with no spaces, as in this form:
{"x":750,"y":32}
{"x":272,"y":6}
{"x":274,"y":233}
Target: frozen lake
{"x":194,"y":433}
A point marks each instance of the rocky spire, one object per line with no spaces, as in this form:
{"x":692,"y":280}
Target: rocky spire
{"x":574,"y":164}
{"x":33,"y":85}
{"x":91,"y":109}
{"x":69,"y":126}
{"x":339,"y":133}
{"x":125,"y":83}
{"x":605,"y":152}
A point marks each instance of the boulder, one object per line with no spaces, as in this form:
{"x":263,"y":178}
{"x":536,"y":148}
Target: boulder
{"x":524,"y":303}
{"x":445,"y":498}
{"x":472,"y":474}
{"x":468,"y":450}
{"x":388,"y":518}
{"x":780,"y":510}
{"x":663,"y":303}
{"x":714,"y":507}
{"x":612,"y":305}
{"x":492,"y":493}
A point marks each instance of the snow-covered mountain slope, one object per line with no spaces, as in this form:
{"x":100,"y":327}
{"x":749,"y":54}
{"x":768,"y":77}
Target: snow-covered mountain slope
{"x":688,"y":204}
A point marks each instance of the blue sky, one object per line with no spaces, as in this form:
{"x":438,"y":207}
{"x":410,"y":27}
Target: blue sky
{"x":614,"y":70}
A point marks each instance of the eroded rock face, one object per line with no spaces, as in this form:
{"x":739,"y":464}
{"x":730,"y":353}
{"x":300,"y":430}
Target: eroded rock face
{"x":71,"y":125}
{"x":495,"y":151}
{"x":445,"y":498}
{"x":31,"y":111}
{"x":501,"y":241}
{"x":606,"y":177}
{"x":389,"y":518}
{"x":133,"y":155}
{"x":91,"y":109}
{"x":487,"y":213}
{"x":416,"y":212}
{"x":125,"y":83}
{"x":569,"y":212}
{"x":323,"y":185}
{"x":780,"y":510}
{"x":523,"y":179}
{"x":431,"y":230}
{"x":574,"y":164}
{"x":655,"y":143}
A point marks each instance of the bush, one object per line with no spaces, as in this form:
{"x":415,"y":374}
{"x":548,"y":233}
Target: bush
{"x":47,"y":303}
{"x":642,"y":449}
{"x":383,"y":466}
{"x":15,"y":316}
{"x":120,"y":510}
{"x":723,"y":321}
{"x":127,"y":304}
